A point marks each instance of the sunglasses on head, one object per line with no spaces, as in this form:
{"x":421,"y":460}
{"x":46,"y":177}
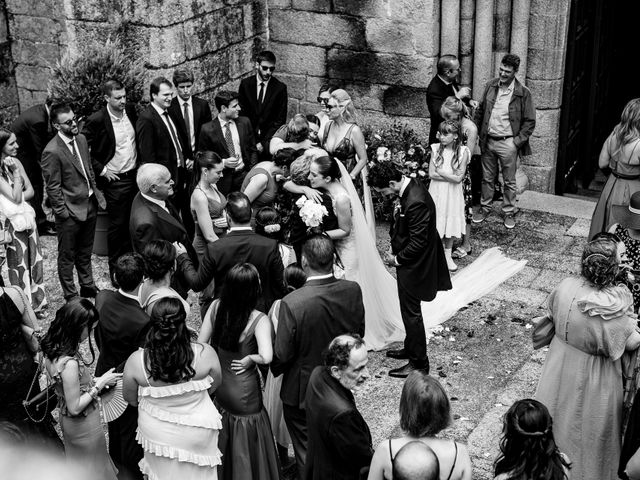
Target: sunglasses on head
{"x":265,"y":68}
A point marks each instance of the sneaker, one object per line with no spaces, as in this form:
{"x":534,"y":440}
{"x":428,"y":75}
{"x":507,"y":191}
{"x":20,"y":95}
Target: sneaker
{"x":480,"y":216}
{"x":509,"y":221}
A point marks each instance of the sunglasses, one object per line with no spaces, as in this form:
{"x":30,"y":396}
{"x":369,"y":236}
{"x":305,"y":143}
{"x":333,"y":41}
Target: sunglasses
{"x":265,"y":68}
{"x":322,"y":100}
{"x":70,"y":122}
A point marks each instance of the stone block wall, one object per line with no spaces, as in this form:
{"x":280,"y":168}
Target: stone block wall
{"x":8,"y":88}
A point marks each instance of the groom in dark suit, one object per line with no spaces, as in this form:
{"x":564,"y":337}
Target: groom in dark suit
{"x":418,"y":255}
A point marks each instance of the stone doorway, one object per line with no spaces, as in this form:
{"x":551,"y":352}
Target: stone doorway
{"x":598,"y":82}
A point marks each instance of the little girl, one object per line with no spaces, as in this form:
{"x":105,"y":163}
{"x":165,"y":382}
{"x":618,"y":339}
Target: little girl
{"x":449,"y":160}
{"x":528,"y":450}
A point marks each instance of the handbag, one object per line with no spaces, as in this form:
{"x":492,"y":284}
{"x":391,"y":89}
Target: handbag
{"x":41,"y":404}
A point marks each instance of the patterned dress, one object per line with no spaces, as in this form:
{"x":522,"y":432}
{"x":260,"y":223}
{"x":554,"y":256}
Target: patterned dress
{"x":633,"y":253}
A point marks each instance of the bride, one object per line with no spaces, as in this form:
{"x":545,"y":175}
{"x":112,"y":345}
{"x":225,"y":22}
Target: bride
{"x":359,"y":255}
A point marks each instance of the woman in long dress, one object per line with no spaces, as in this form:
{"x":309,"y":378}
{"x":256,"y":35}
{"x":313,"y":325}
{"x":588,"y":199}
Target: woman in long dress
{"x":590,"y":324}
{"x":359,"y":255}
{"x":170,"y":381}
{"x":77,"y":391}
{"x":242,"y":336}
{"x":621,"y":154}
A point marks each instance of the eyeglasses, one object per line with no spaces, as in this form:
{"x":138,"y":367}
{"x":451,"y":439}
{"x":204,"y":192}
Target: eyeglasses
{"x":322,"y":100}
{"x":70,"y":122}
{"x":265,"y":68}
{"x":330,"y":107}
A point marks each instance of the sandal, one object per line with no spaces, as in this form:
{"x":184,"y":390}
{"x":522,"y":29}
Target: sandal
{"x":459,"y":253}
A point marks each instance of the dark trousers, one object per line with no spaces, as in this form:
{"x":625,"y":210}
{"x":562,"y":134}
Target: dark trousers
{"x":415,"y":343}
{"x":296,"y":420}
{"x":231,"y":181}
{"x":75,"y":245}
{"x":182,"y":200}
{"x":119,"y":195}
{"x":123,"y":447}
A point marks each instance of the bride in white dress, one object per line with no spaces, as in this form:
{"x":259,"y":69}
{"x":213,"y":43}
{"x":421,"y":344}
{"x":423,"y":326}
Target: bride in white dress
{"x":359,"y":255}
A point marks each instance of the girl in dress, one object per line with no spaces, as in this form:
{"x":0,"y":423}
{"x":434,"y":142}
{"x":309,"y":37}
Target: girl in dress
{"x":447,"y":169}
{"x":527,"y":448}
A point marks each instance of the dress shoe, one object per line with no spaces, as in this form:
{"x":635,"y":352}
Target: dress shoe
{"x":89,"y":292}
{"x":399,"y":354}
{"x":403,"y":372}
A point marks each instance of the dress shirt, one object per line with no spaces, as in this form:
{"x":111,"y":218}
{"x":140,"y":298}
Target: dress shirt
{"x":192,"y":130}
{"x":499,"y":124}
{"x":68,"y":141}
{"x":239,"y":229}
{"x":405,"y":184}
{"x":124,"y":158}
{"x":165,"y":119}
{"x":266,"y":85}
{"x":235,"y":136}
{"x":160,"y":203}
{"x":319,"y":277}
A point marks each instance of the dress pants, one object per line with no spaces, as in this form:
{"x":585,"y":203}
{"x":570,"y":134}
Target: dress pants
{"x":75,"y":245}
{"x":231,"y":181}
{"x":505,"y":152}
{"x":125,"y":451}
{"x":296,"y":420}
{"x":415,"y":343}
{"x":182,"y":200}
{"x":119,"y":195}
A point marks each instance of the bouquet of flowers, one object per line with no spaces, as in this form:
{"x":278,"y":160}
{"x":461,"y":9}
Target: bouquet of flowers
{"x":311,"y":212}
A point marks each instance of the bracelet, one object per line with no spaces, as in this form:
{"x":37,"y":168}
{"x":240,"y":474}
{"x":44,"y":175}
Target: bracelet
{"x":93,"y":392}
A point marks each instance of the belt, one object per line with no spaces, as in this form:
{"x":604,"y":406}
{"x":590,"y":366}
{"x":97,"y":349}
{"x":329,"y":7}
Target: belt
{"x":128,"y":173}
{"x":503,"y":137}
{"x":622,"y":176}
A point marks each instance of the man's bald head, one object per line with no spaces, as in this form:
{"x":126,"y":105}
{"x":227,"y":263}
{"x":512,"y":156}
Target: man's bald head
{"x":416,"y":461}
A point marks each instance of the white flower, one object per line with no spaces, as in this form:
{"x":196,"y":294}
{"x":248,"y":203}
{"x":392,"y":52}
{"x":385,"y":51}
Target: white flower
{"x":311,"y":212}
{"x":301,"y":201}
{"x":377,"y":136}
{"x":413,"y":175}
{"x":383,"y":154}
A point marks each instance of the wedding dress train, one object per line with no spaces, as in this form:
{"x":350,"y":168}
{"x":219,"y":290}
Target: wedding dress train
{"x":362,"y":264}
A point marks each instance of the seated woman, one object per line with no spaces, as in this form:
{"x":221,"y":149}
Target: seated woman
{"x":268,"y":225}
{"x":160,"y":264}
{"x":207,"y":203}
{"x":424,"y":412}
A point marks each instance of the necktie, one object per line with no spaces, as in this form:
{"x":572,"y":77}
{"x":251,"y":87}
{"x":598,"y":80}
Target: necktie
{"x":261,"y":93}
{"x":187,"y":124}
{"x":175,"y":139}
{"x":74,"y":152}
{"x":229,"y":139}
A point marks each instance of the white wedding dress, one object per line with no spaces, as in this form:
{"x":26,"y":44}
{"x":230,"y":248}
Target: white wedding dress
{"x":362,"y":264}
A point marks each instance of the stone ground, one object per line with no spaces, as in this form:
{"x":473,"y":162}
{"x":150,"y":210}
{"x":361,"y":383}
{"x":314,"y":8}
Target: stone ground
{"x":484,"y":356}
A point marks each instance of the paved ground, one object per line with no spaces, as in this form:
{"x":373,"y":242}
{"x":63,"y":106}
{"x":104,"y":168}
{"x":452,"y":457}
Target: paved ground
{"x":484,"y":356}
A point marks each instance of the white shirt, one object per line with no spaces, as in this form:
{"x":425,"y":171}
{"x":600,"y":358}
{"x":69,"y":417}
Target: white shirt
{"x":160,"y":203}
{"x":167,"y":119}
{"x":235,"y":136}
{"x":192,"y":139}
{"x":128,"y":295}
{"x":319,"y":277}
{"x":124,"y":157}
{"x":499,"y":124}
{"x":67,"y":141}
{"x":266,"y":85}
{"x":239,"y":229}
{"x":405,"y":184}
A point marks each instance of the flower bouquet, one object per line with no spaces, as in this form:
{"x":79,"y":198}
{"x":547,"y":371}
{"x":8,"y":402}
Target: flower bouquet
{"x":311,"y":213}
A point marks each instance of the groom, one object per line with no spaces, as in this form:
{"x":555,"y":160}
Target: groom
{"x":417,"y":254}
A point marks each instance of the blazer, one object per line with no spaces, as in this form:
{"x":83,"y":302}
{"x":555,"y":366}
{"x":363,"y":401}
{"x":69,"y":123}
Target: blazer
{"x":267,"y":117}
{"x":238,"y":246}
{"x":121,"y":329}
{"x":201,"y":115}
{"x":98,"y":131}
{"x":309,"y":319}
{"x":65,"y":180}
{"x":415,"y":242}
{"x":149,"y":221}
{"x":340,"y":444}
{"x":437,"y":92}
{"x":33,"y":131}
{"x":154,"y":141}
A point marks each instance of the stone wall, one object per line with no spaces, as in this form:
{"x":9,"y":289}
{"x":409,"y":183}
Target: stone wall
{"x":215,"y":38}
{"x":8,"y":89}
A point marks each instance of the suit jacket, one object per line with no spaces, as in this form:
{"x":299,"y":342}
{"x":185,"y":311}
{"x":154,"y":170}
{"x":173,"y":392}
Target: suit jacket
{"x":238,"y":246}
{"x":201,"y":115}
{"x":33,"y":131}
{"x":267,"y":117}
{"x":212,"y":138}
{"x":121,"y":329}
{"x":65,"y":180}
{"x":339,"y":438}
{"x":309,"y":319}
{"x":98,"y":131}
{"x":437,"y":92}
{"x":415,"y":242}
{"x":149,"y":221}
{"x":154,"y":141}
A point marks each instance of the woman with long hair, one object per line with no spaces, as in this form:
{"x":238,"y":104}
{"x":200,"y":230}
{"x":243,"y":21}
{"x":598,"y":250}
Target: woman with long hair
{"x":621,"y":155}
{"x":589,"y":325}
{"x":77,"y":392}
{"x":528,"y":450}
{"x":170,"y":381}
{"x":424,"y":412}
{"x":207,"y":202}
{"x":24,"y":258}
{"x":242,"y":336}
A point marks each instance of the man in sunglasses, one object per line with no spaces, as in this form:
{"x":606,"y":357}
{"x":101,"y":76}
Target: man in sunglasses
{"x":263,"y":99}
{"x":71,"y":187}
